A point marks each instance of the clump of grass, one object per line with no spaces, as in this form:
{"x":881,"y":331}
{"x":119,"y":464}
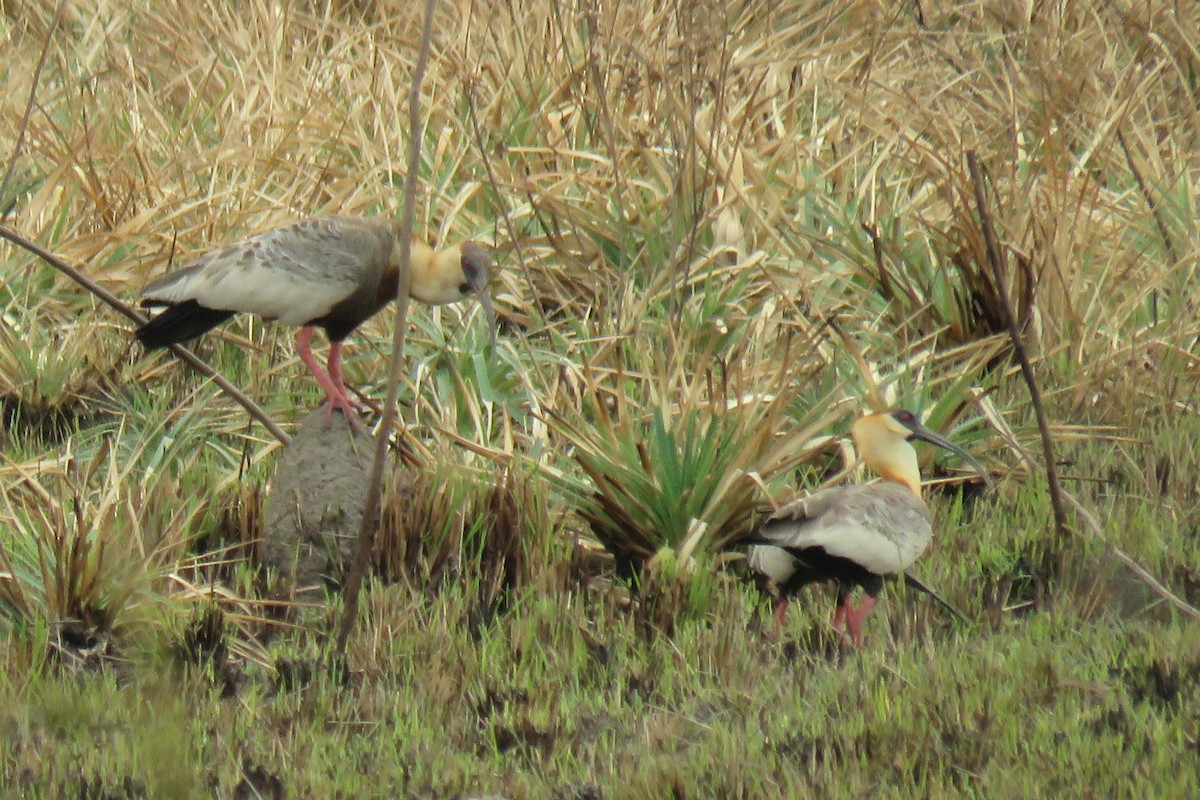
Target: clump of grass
{"x":51,"y":372}
{"x":94,"y":542}
{"x":448,"y":524}
{"x":684,"y":460}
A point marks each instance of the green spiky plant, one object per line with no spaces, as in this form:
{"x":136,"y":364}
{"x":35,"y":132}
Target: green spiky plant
{"x":77,"y":545}
{"x":685,"y":461}
{"x":50,"y":368}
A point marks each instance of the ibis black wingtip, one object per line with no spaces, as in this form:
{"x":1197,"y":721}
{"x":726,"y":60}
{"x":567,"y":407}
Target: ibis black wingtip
{"x":179,"y":323}
{"x":921,"y":586}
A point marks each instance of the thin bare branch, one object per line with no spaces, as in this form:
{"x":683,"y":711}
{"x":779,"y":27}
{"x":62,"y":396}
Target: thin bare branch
{"x":366,"y":534}
{"x":1035,"y":395}
{"x":1094,"y":528}
{"x":1137,"y":569}
{"x":194,"y":361}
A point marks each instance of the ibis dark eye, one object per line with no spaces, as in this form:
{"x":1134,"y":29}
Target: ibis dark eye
{"x":904,"y":417}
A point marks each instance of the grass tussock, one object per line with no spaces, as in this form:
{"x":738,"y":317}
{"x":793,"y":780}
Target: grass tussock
{"x":722,"y":229}
{"x":444,"y":527}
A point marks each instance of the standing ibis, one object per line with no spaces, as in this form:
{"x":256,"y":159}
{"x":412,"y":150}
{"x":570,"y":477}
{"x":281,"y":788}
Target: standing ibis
{"x":854,"y":535}
{"x":331,"y":272}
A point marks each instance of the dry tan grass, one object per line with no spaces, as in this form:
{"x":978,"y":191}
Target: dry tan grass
{"x":681,"y":196}
{"x":662,"y":182}
{"x":629,"y":160}
{"x":608,"y":133}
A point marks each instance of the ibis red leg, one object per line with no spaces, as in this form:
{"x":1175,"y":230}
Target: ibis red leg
{"x":855,"y":617}
{"x":334,"y":398}
{"x":781,"y":608}
{"x":335,"y":374}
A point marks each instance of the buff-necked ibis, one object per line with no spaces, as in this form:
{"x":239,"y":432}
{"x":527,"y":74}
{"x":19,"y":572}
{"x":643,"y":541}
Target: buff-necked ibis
{"x":854,"y":535}
{"x":331,"y":272}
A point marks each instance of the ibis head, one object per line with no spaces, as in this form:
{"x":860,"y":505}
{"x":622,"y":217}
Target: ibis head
{"x":451,"y":275}
{"x":883,"y":443}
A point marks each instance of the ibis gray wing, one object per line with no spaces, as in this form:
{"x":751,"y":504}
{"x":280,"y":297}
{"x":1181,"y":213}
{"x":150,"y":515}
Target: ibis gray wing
{"x":775,"y":562}
{"x":882,"y":527}
{"x":295,"y":274}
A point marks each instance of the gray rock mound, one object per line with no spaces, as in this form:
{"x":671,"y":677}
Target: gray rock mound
{"x":314,"y":509}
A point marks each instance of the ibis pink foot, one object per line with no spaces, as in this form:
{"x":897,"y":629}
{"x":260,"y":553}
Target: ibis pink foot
{"x":335,"y":397}
{"x":781,"y":608}
{"x":854,"y":618}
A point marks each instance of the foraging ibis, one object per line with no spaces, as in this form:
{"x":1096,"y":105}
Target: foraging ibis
{"x":331,"y":272}
{"x":854,"y":535}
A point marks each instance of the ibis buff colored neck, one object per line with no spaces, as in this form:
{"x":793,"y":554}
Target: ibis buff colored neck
{"x":883,"y":446}
{"x":435,"y":278}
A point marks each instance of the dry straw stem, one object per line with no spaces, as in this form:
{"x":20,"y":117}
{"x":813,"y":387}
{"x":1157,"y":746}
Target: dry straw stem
{"x":194,"y":361}
{"x":366,"y":534}
{"x":24,"y":128}
{"x":1095,"y":529}
{"x":1168,"y":244}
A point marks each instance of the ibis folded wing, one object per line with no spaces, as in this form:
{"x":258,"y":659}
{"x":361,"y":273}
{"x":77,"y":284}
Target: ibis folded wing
{"x":882,"y":528}
{"x":294,"y":274}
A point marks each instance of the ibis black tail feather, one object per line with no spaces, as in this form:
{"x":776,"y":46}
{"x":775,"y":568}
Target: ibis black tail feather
{"x":914,"y":582}
{"x":755,"y":540}
{"x":178,"y":323}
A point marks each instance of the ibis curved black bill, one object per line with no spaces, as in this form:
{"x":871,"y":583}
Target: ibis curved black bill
{"x":477,"y":268}
{"x":919,"y":431}
{"x":485,"y":299}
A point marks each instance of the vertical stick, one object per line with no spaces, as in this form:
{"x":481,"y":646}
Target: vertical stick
{"x":366,"y":534}
{"x":1035,"y":394}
